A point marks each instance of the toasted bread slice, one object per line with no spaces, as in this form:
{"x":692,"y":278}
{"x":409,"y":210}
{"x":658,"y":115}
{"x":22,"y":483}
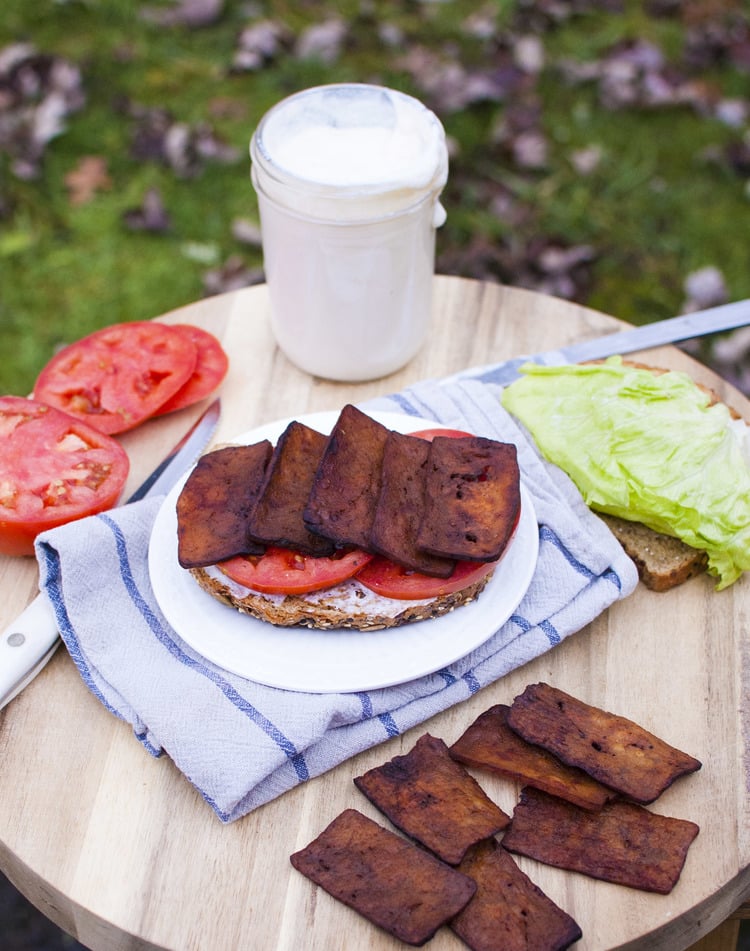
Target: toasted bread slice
{"x":663,"y":562}
{"x":348,"y":605}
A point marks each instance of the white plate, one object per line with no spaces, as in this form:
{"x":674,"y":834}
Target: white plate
{"x":341,"y":661}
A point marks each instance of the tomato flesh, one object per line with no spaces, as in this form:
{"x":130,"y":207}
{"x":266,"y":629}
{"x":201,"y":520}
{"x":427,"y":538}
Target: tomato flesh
{"x":390,"y":580}
{"x":284,"y":571}
{"x":53,"y":469}
{"x":210,"y":369}
{"x":117,"y":377}
{"x":431,"y":433}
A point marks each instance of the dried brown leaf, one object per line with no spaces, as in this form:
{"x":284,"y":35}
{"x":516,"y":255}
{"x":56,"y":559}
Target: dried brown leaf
{"x":88,"y":177}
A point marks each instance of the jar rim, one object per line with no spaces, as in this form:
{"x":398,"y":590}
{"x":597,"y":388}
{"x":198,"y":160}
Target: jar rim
{"x":396,"y":212}
{"x":280,"y":176}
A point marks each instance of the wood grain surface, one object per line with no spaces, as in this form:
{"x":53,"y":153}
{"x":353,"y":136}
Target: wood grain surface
{"x":119,"y":849}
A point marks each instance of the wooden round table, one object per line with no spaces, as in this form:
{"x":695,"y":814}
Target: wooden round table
{"x":119,"y":850}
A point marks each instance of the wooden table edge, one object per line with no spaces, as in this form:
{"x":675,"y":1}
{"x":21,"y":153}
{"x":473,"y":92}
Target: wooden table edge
{"x":66,"y":913}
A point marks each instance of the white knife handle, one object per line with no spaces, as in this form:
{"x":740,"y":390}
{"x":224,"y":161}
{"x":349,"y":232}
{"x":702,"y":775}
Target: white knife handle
{"x":26,"y":646}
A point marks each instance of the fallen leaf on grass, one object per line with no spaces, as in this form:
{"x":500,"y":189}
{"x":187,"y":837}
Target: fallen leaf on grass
{"x":37,"y":93}
{"x":190,"y":13}
{"x":260,"y":43}
{"x":151,"y":216}
{"x":88,"y":177}
{"x":231,"y":276}
{"x":323,"y":41}
{"x":183,"y":148}
{"x":247,"y":232}
{"x":704,"y":288}
{"x":450,"y":87}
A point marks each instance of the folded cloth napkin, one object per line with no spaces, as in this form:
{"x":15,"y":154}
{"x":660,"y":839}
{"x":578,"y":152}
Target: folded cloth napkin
{"x":241,"y":743}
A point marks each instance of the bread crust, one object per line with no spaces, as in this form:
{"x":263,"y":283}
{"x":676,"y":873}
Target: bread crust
{"x":335,"y":608}
{"x":662,"y":561}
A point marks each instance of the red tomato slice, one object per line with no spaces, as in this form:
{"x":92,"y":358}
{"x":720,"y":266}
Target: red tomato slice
{"x":283,"y":571}
{"x":119,"y":376}
{"x":431,"y":433}
{"x":53,"y":469}
{"x":210,"y":369}
{"x":390,"y":580}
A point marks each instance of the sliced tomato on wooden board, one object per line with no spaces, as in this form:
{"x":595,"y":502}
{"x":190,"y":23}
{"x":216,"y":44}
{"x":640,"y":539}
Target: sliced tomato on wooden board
{"x":117,"y":377}
{"x":53,"y":469}
{"x":210,"y":369}
{"x":390,"y":580}
{"x":284,"y":571}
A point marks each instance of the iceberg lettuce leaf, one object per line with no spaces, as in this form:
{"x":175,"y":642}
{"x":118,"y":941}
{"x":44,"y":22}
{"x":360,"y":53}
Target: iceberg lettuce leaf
{"x":648,"y":447}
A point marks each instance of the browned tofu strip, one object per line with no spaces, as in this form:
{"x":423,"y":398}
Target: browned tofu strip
{"x":509,"y":912}
{"x":401,"y":504}
{"x":490,"y":744}
{"x":472,"y":498}
{"x":347,"y":484}
{"x":623,"y":843}
{"x":612,"y":749}
{"x":433,"y":799}
{"x":391,"y":882}
{"x":215,"y":503}
{"x":276,"y":518}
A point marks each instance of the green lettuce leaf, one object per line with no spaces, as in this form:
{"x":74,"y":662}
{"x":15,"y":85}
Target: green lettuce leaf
{"x":646,"y":447}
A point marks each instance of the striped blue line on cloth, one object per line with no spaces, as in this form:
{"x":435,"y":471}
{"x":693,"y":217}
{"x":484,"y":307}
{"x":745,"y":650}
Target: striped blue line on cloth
{"x":471,"y":681}
{"x":366,"y":700}
{"x":155,"y":751}
{"x":54,"y":589}
{"x":545,"y":626}
{"x":406,"y":405}
{"x":385,"y":719}
{"x":389,"y":724}
{"x":547,"y":535}
{"x":254,"y":715}
{"x":611,"y":575}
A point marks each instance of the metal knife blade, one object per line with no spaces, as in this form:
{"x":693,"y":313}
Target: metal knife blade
{"x":686,"y":327}
{"x":32,"y":638}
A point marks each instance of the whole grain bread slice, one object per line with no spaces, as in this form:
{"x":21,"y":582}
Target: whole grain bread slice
{"x":349,"y":605}
{"x":663,"y":562}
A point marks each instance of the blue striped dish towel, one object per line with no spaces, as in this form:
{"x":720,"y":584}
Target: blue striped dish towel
{"x":241,"y":743}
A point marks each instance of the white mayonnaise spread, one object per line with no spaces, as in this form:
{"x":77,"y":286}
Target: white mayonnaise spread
{"x":350,"y":597}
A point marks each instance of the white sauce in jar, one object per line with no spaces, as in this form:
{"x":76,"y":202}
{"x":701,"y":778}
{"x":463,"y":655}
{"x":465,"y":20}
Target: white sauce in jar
{"x":348,"y":179}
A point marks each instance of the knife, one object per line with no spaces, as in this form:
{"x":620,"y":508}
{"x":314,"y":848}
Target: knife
{"x":697,"y":324}
{"x":31,"y":640}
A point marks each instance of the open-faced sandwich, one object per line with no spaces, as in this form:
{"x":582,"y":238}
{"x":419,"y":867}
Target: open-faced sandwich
{"x":362,"y":528}
{"x":661,"y":458}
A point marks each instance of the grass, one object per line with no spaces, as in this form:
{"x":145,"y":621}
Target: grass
{"x":658,"y":206}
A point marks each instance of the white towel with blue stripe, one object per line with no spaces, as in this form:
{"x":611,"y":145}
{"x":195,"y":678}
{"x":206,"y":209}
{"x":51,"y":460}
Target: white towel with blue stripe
{"x":241,"y":743}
